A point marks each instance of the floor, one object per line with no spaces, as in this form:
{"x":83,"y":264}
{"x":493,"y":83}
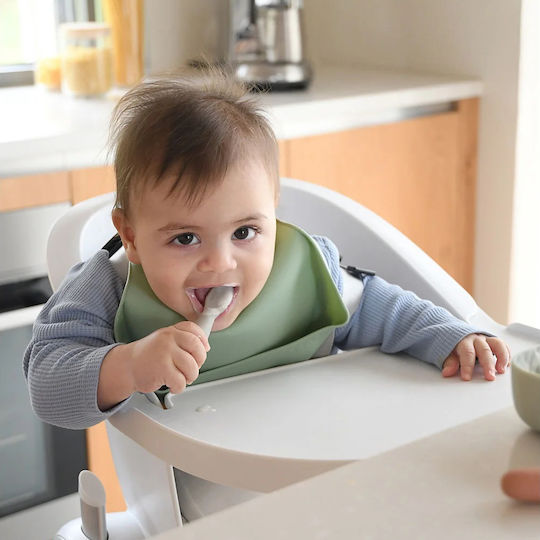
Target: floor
{"x":41,"y":522}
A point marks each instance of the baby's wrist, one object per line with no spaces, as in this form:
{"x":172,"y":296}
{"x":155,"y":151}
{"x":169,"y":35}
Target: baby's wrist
{"x":116,"y":379}
{"x":124,"y":367}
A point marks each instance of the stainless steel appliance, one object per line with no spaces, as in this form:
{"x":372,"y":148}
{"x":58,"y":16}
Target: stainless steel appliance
{"x":38,"y":462}
{"x":267,"y":45}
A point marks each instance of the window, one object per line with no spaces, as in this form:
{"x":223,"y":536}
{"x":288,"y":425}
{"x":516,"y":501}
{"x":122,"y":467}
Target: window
{"x":28,"y":31}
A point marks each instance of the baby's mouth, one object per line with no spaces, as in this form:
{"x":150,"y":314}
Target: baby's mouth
{"x":197,"y":296}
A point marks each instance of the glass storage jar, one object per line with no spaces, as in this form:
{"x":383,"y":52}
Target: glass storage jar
{"x":47,"y":73}
{"x":87,"y":62}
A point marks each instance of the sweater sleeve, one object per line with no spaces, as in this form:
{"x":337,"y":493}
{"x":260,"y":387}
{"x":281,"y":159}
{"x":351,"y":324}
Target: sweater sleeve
{"x":71,"y":336}
{"x":396,"y":320}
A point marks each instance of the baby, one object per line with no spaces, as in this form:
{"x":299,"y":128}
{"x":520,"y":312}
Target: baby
{"x":196,"y":165}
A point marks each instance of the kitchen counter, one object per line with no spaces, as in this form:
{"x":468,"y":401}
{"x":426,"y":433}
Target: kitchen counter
{"x":445,"y":486}
{"x":43,"y":131}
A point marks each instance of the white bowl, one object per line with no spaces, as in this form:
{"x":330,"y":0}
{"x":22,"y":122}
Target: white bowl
{"x":526,"y":386}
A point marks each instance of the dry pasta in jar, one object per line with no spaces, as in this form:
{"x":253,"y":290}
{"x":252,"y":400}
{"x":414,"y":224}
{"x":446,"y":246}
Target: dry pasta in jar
{"x":87,"y":61}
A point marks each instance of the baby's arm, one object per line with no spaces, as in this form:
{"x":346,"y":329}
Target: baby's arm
{"x":72,"y":335}
{"x":77,"y":375}
{"x":399,"y":321}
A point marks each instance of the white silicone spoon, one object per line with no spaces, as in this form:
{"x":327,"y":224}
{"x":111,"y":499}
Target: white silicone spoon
{"x":216,"y":302}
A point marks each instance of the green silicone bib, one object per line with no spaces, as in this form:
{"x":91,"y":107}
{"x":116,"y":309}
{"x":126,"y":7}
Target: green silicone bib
{"x":296,"y":313}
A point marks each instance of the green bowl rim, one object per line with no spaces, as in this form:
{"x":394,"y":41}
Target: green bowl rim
{"x":514,"y":365}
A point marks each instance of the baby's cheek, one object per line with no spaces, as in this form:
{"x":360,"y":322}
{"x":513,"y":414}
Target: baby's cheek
{"x":172,"y":295}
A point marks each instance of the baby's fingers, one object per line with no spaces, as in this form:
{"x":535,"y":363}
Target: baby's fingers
{"x":467,"y":358}
{"x":186,"y":364}
{"x":193,"y":328}
{"x":485,"y":357}
{"x":501,"y":351}
{"x":193,"y":341}
{"x":176,"y":381}
{"x":523,"y":485}
{"x":450,"y":366}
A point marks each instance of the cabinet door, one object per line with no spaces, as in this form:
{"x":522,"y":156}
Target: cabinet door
{"x":101,"y":463}
{"x":87,"y":183}
{"x":418,"y":174}
{"x":35,"y":190}
{"x":50,"y":188}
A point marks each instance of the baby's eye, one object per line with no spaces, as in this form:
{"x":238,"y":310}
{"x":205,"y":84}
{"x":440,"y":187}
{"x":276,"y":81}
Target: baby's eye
{"x":244,"y":233}
{"x":186,"y":239}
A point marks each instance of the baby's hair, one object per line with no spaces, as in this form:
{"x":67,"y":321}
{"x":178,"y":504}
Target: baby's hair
{"x":196,"y":127}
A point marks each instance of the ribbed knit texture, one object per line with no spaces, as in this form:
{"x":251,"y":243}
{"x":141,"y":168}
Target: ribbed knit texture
{"x":72,"y":335}
{"x":74,"y":332}
{"x":394,"y":319}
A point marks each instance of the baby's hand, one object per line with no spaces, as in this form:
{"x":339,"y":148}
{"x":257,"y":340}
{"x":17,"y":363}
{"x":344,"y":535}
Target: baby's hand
{"x":170,"y":356}
{"x":473,"y":347}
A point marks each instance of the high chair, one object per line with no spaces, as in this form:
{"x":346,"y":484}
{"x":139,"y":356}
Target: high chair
{"x":269,"y":429}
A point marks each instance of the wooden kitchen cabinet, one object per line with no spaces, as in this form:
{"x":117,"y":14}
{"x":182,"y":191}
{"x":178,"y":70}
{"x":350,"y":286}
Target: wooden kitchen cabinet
{"x":88,"y":183}
{"x":418,"y":174}
{"x":21,"y":192}
{"x":35,"y":190}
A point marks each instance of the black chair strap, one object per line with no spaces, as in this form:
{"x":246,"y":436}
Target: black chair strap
{"x":113,"y":245}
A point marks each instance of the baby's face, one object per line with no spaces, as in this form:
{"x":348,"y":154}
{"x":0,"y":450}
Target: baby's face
{"x":228,"y":239}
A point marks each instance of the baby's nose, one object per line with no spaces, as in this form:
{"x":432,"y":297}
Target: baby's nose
{"x":218,"y":260}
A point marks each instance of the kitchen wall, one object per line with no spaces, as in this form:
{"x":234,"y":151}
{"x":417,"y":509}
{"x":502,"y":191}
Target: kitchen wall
{"x":480,"y":38}
{"x":180,"y":30}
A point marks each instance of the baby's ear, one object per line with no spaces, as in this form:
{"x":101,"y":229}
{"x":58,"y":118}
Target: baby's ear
{"x":127,"y":234}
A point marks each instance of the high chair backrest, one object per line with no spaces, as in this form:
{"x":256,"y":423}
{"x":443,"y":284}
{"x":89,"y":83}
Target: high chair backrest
{"x":364,"y":240}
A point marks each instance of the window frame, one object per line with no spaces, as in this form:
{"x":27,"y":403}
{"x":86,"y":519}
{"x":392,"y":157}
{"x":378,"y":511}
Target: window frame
{"x":16,"y":75}
{"x":23,"y":74}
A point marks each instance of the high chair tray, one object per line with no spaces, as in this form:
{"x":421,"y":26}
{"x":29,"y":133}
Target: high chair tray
{"x":285,"y":424}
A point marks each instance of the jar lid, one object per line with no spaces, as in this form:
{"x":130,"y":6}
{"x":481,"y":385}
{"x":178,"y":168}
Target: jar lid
{"x":85,"y":29}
